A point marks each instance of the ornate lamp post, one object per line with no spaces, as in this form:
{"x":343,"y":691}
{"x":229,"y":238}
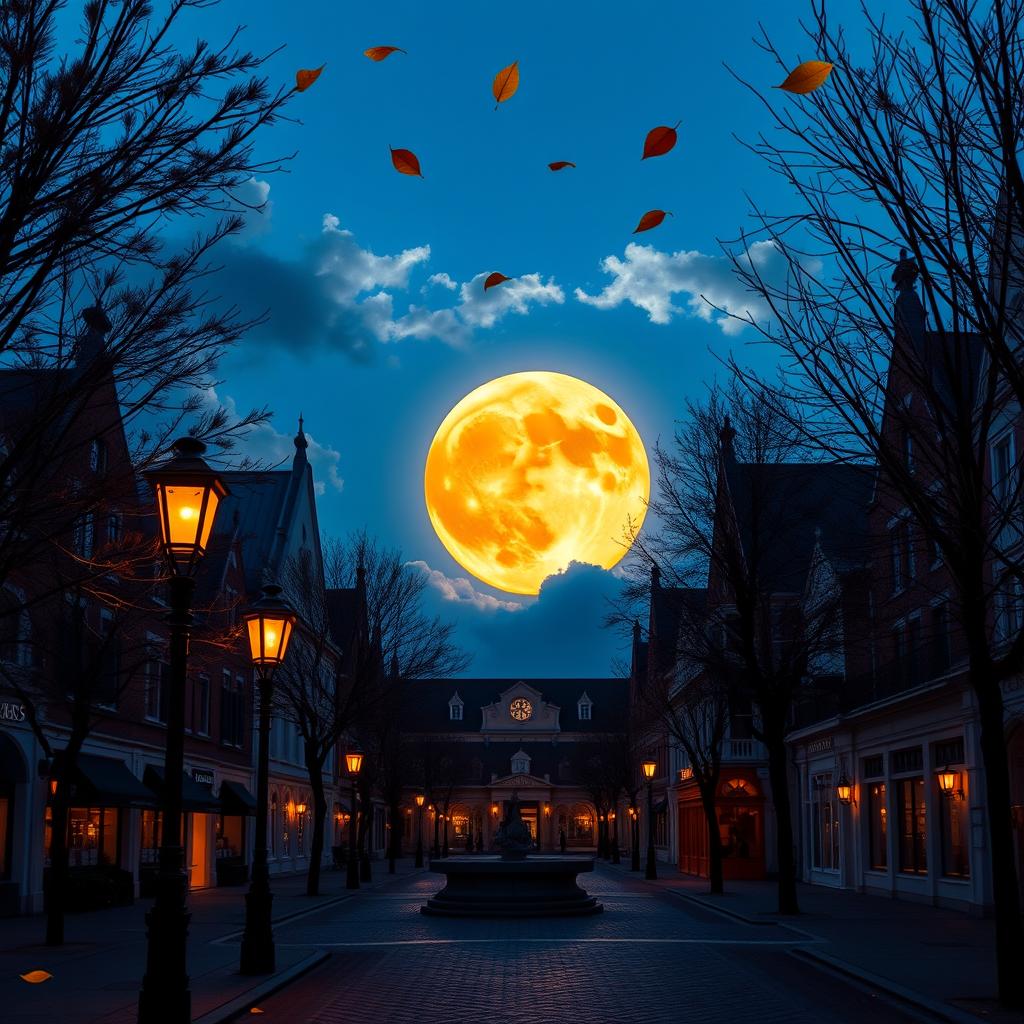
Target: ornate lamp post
{"x":269,"y":623}
{"x":419,"y":829}
{"x":187,"y":493}
{"x":614,"y":819}
{"x":634,"y":839}
{"x":649,"y":768}
{"x":354,"y":762}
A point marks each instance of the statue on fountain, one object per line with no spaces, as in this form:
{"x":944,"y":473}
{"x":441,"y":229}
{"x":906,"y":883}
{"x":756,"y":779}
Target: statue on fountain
{"x":513,"y":837}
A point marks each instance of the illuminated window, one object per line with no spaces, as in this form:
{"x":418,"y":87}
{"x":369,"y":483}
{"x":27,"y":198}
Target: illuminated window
{"x":520,"y":709}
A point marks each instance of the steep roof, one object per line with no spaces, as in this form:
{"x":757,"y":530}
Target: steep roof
{"x":424,"y":703}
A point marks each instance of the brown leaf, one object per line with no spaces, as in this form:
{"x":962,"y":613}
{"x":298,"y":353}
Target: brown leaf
{"x":305,"y":78}
{"x":560,"y":165}
{"x":379,"y":53}
{"x":36,"y":977}
{"x":256,"y":1009}
{"x":807,"y":77}
{"x":406,"y":162}
{"x":651,"y":219}
{"x":659,"y":141}
{"x":495,"y":278}
{"x":506,"y":81}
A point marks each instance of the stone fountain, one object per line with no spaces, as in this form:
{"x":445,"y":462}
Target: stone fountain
{"x":513,"y":883}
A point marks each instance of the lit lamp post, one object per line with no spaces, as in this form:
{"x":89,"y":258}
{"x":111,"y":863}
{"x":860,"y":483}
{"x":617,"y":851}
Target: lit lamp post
{"x":269,"y":623}
{"x":649,"y":768}
{"x":419,"y":829}
{"x":187,"y":492}
{"x":844,"y":790}
{"x":634,"y":839}
{"x":613,"y":818}
{"x":354,"y":762}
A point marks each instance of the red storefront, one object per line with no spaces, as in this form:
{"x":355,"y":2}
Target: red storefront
{"x":740,"y":813}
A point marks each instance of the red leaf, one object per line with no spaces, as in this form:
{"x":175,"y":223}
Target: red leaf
{"x":660,"y":140}
{"x":560,"y":165}
{"x":651,"y":219}
{"x":379,"y":53}
{"x":305,"y":78}
{"x":406,"y":162}
{"x":493,"y":279}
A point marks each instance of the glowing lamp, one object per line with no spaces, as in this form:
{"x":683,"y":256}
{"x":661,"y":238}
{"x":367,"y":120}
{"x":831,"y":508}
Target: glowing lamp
{"x":844,"y":789}
{"x":494,"y":809}
{"x":649,"y":768}
{"x":948,"y":780}
{"x":419,"y":799}
{"x":188,"y":493}
{"x":53,"y":787}
{"x":547,"y":809}
{"x":611,"y":815}
{"x":269,"y":625}
{"x":354,"y":762}
{"x":300,"y":808}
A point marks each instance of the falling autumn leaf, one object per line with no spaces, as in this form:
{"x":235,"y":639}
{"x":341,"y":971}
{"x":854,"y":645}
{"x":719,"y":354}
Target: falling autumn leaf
{"x":379,"y":53}
{"x":651,"y":219}
{"x":506,"y":81}
{"x":560,"y":165}
{"x":493,"y":279}
{"x":305,"y":78}
{"x":659,"y":141}
{"x":256,"y":1009}
{"x":807,"y":77}
{"x":36,"y":977}
{"x":405,"y":162}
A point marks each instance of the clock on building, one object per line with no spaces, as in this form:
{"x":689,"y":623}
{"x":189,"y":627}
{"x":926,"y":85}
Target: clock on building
{"x":520,"y":709}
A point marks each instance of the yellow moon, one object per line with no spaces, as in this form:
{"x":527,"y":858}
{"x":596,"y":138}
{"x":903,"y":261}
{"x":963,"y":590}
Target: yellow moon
{"x":532,"y":471}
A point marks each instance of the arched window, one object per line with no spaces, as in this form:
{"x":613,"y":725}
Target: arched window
{"x":581,"y":825}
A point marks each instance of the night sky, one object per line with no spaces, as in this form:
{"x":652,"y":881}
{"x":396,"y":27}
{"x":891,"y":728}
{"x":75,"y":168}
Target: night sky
{"x":378,"y":321}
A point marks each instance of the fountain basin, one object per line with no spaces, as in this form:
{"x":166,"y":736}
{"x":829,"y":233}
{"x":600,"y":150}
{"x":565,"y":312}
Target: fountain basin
{"x":538,"y":886}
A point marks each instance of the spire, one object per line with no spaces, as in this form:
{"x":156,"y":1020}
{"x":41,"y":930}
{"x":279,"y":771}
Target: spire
{"x":636,"y":631}
{"x":92,"y":341}
{"x":301,"y":444}
{"x":905,"y":272}
{"x":394,"y":665}
{"x":655,"y":578}
{"x":726,"y":436}
{"x":909,"y":311}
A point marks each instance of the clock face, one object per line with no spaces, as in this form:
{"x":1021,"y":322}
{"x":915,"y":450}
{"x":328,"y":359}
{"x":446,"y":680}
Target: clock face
{"x":520,"y":709}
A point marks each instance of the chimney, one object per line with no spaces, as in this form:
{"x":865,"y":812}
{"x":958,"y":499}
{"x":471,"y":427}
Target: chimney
{"x":726,"y":436}
{"x":909,"y":310}
{"x":92,"y":341}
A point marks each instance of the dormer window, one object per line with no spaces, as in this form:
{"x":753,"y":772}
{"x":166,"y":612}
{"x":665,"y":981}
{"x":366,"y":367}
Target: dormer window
{"x":583,"y":708}
{"x":98,"y":456}
{"x":455,"y":708}
{"x":520,"y":763}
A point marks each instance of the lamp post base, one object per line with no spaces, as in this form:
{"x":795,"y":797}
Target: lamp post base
{"x":165,"y":997}
{"x":652,"y":872}
{"x":258,"y":953}
{"x":419,"y":856}
{"x":352,"y":872}
{"x":365,"y":872}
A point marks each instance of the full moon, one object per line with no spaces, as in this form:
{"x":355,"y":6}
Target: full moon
{"x":532,"y":471}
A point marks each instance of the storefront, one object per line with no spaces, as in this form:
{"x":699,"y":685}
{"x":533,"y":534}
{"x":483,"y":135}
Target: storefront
{"x":237,"y":805}
{"x":13,"y":793}
{"x":739,"y":812}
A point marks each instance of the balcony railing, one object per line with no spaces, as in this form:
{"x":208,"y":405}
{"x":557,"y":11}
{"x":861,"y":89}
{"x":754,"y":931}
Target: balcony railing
{"x":743,"y":750}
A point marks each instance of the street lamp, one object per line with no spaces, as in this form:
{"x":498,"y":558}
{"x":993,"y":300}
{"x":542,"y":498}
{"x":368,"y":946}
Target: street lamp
{"x":354,"y":762}
{"x":844,"y":790}
{"x":649,"y":768}
{"x":419,"y":829}
{"x":634,"y":839}
{"x":613,"y":818}
{"x":188,"y":493}
{"x":949,"y":782}
{"x":268,"y":624}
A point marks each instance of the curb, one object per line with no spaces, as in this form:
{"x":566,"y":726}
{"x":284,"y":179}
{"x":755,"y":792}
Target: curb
{"x":725,"y":912}
{"x":930,"y":1010}
{"x":230,"y":1010}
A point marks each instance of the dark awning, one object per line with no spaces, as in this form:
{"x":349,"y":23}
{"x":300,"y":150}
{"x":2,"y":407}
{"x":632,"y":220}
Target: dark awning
{"x":236,"y":799}
{"x":105,"y":782}
{"x":661,"y":806}
{"x":194,"y":795}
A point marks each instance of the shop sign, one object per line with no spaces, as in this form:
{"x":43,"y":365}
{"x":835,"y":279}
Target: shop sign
{"x":10,"y":712}
{"x":203,"y":776}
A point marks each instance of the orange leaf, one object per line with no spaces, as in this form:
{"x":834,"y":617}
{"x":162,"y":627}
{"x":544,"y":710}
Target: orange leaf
{"x":36,"y":977}
{"x":651,"y":219}
{"x":256,"y":1009}
{"x":405,"y":162}
{"x":807,"y":77}
{"x":379,"y":53}
{"x":659,"y":141}
{"x":495,"y":278}
{"x":560,"y":165}
{"x":506,"y":81}
{"x":305,"y":78}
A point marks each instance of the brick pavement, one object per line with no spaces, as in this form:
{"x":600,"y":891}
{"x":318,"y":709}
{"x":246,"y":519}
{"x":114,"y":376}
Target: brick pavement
{"x":651,"y":956}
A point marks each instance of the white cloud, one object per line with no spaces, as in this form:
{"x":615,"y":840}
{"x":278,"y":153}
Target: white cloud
{"x":649,"y":279}
{"x":265,"y":445}
{"x":443,"y":280}
{"x":480,"y":308}
{"x":462,"y":591}
{"x":254,"y":196}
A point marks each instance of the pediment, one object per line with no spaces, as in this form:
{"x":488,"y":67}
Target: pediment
{"x":520,"y":781}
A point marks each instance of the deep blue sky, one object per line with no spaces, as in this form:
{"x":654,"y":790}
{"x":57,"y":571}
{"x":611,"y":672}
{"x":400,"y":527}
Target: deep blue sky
{"x":594,"y":79}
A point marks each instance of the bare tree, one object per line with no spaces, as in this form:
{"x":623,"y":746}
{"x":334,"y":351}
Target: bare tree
{"x":915,"y":143}
{"x":738,"y":514}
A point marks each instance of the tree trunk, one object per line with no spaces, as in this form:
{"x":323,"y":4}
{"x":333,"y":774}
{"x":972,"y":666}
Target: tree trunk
{"x":778,"y":774}
{"x":1005,"y":886}
{"x":715,"y":858}
{"x":395,"y":836}
{"x":57,"y":876}
{"x":316,"y":852}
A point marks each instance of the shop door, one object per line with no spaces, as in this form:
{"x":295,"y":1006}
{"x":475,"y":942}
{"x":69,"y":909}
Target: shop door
{"x":530,"y":820}
{"x":199,"y":859}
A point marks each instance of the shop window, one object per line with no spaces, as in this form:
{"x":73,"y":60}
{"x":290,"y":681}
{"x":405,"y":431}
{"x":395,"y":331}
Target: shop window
{"x":954,"y":829}
{"x":661,"y":828}
{"x":300,"y":833}
{"x":738,"y":828}
{"x":913,"y":825}
{"x":92,"y":835}
{"x":230,"y":835}
{"x":825,"y":823}
{"x":581,"y":826}
{"x":878,"y":827}
{"x":152,"y":823}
